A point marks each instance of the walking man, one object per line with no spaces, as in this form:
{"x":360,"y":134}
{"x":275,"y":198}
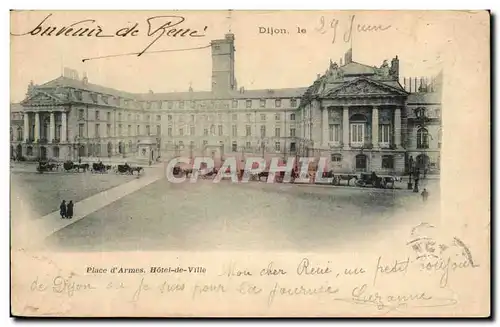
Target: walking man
{"x":69,"y":210}
{"x":62,"y":209}
{"x":425,"y":195}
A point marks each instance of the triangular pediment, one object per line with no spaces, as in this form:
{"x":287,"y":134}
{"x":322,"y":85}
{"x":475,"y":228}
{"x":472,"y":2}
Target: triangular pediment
{"x":365,"y":87}
{"x":40,"y":98}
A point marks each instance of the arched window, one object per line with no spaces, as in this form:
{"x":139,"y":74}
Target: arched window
{"x":29,"y":151}
{"x":422,"y":138}
{"x":19,"y":133}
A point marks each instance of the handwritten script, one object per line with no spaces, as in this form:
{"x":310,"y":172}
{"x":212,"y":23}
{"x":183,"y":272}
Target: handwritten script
{"x":157,"y":27}
{"x":331,"y":25}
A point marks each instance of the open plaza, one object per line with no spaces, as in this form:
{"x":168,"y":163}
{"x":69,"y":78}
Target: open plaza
{"x":120,"y":212}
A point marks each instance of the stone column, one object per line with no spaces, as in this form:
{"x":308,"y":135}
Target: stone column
{"x":52,"y":128}
{"x":345,"y":128}
{"x":26,"y":126}
{"x":64,"y":127}
{"x":375,"y":127}
{"x":325,"y":126}
{"x":397,"y":127}
{"x":37,"y":126}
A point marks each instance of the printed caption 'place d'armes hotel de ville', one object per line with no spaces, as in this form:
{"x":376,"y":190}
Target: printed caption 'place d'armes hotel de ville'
{"x":358,"y":116}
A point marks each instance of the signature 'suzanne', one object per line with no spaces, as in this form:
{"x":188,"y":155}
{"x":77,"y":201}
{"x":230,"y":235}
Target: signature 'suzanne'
{"x":157,"y":27}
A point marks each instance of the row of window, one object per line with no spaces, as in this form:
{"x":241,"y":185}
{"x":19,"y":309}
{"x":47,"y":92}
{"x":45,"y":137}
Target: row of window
{"x":234,"y":117}
{"x":234,"y":146}
{"x":81,"y":116}
{"x":234,"y":131}
{"x":97,"y":130}
{"x":387,"y":160}
{"x":357,"y":133}
{"x":97,"y":116}
{"x":181,"y":103}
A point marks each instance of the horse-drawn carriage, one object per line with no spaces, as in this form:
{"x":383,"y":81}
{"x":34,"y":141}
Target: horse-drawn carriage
{"x":378,"y":181}
{"x":127,"y":169}
{"x":71,"y":166}
{"x":99,"y":167}
{"x":44,"y":166}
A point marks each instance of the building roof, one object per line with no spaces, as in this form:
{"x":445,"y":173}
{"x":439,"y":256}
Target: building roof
{"x":355,"y":68}
{"x":190,"y":95}
{"x":16,"y":107}
{"x":63,"y":81}
{"x":424,"y":98}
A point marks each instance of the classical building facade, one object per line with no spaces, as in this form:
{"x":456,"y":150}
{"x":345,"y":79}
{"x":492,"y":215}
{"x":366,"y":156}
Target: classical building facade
{"x":358,"y":116}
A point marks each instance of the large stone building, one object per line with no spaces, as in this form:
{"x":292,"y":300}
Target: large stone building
{"x":359,"y":117}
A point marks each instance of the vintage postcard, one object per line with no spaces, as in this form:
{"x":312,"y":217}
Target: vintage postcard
{"x":250,"y":163}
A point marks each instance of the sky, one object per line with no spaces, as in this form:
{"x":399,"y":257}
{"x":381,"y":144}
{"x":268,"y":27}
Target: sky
{"x":421,"y":41}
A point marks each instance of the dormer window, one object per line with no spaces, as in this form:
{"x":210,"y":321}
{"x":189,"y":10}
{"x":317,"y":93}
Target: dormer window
{"x":104,"y":99}
{"x":93,"y":96}
{"x":420,"y":112}
{"x":78,"y":95}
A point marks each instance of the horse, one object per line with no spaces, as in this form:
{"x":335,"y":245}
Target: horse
{"x":122,"y":169}
{"x":69,"y":165}
{"x":262,"y":174}
{"x":211,"y":173}
{"x":99,"y":167}
{"x":79,"y":166}
{"x":187,"y":172}
{"x":345,"y":177}
{"x":137,"y":169}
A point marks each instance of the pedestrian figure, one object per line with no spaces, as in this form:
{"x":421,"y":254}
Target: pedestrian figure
{"x":69,"y":210}
{"x":62,"y":209}
{"x":425,"y":195}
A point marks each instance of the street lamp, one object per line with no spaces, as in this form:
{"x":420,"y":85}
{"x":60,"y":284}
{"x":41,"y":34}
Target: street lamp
{"x":76,"y":146}
{"x":263,"y":143}
{"x":421,"y":119}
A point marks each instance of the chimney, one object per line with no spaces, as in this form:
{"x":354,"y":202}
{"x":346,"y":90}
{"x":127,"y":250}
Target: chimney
{"x":348,"y":56}
{"x":395,"y":68}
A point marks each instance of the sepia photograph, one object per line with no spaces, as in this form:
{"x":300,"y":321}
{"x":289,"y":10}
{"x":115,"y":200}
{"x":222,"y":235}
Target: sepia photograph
{"x":134,"y":134}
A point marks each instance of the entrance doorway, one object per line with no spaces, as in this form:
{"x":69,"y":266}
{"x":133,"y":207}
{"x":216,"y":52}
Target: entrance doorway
{"x":361,"y":161}
{"x":422,"y":161}
{"x":43,"y":152}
